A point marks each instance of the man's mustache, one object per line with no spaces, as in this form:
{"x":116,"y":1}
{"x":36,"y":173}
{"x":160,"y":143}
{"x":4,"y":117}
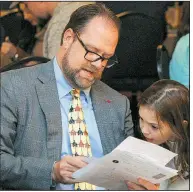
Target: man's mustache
{"x":96,"y":72}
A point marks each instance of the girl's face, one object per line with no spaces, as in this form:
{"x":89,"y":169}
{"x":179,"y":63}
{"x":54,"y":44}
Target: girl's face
{"x":153,"y":132}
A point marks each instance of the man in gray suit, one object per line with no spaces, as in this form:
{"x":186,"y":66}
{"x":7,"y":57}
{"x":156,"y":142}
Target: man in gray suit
{"x":35,"y":145}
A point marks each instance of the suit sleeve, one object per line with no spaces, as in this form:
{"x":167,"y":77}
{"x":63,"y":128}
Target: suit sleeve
{"x":129,"y":127}
{"x":18,"y":172}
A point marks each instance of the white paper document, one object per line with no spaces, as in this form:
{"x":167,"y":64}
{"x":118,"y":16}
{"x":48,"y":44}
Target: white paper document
{"x":132,"y":159}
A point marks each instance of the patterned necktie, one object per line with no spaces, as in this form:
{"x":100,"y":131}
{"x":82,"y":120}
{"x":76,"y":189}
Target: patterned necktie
{"x":79,"y":139}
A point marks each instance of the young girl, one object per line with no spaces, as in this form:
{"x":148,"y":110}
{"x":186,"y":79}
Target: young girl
{"x":164,"y":120}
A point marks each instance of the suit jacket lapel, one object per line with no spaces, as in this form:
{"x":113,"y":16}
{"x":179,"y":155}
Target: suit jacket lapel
{"x":102,"y":106}
{"x":48,"y":98}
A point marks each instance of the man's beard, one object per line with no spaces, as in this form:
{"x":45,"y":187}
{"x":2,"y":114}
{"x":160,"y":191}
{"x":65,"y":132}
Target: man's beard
{"x":71,"y":74}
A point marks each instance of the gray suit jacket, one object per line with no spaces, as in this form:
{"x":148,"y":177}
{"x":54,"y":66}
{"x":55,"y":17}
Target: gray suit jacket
{"x":31,"y":128}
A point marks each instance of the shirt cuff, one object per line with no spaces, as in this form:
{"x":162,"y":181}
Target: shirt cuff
{"x":53,"y":183}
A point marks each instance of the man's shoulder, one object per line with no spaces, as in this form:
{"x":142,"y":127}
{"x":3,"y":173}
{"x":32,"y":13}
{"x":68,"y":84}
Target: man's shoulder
{"x":106,"y":90}
{"x":22,"y":76}
{"x":22,"y":71}
{"x":181,"y":51}
{"x":183,"y":43}
{"x":185,"y":38}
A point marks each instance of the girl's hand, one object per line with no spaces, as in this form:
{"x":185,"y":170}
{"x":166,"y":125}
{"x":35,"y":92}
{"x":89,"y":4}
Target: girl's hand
{"x":143,"y":185}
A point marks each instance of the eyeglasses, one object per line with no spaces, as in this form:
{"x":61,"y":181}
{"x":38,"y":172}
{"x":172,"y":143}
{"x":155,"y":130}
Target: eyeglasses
{"x":92,"y":56}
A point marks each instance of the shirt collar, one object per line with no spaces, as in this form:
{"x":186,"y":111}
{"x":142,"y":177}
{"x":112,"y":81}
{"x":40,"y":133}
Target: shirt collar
{"x":64,"y":87}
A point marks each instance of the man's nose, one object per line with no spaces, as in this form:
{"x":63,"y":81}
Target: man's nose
{"x":99,"y":64}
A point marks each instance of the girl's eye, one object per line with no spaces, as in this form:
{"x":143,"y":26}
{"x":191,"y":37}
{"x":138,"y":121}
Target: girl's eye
{"x":154,"y":127}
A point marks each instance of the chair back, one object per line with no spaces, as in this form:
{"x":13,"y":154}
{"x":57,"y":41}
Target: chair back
{"x":2,"y":32}
{"x":25,"y":62}
{"x":136,"y":51}
{"x":20,"y":32}
{"x":163,"y":60}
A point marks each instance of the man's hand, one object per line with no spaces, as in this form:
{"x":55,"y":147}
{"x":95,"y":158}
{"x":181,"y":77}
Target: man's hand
{"x":63,"y":169}
{"x":143,"y":185}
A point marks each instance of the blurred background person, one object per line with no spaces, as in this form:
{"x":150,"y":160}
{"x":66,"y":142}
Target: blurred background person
{"x":180,"y":63}
{"x":18,"y":33}
{"x":59,"y":14}
{"x":56,"y":15}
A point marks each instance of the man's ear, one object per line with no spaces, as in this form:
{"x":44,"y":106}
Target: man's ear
{"x":68,"y":38}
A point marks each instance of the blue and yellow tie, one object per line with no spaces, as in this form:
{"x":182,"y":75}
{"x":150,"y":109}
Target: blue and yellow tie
{"x":79,"y":138}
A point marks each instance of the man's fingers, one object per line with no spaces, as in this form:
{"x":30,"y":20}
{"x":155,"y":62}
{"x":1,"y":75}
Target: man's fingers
{"x":64,"y":168}
{"x":71,"y":168}
{"x":67,"y":177}
{"x":75,"y":161}
{"x":148,"y":185}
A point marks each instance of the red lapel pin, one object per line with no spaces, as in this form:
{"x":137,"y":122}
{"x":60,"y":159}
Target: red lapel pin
{"x":108,"y":101}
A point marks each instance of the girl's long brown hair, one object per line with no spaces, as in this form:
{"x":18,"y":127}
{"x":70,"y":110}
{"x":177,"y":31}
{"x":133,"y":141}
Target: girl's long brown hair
{"x":170,"y":100}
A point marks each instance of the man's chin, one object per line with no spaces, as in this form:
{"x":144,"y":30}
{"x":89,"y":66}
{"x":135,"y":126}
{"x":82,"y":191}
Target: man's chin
{"x":84,"y":84}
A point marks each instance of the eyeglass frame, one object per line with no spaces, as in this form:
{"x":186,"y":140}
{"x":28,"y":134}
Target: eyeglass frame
{"x":100,"y":57}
